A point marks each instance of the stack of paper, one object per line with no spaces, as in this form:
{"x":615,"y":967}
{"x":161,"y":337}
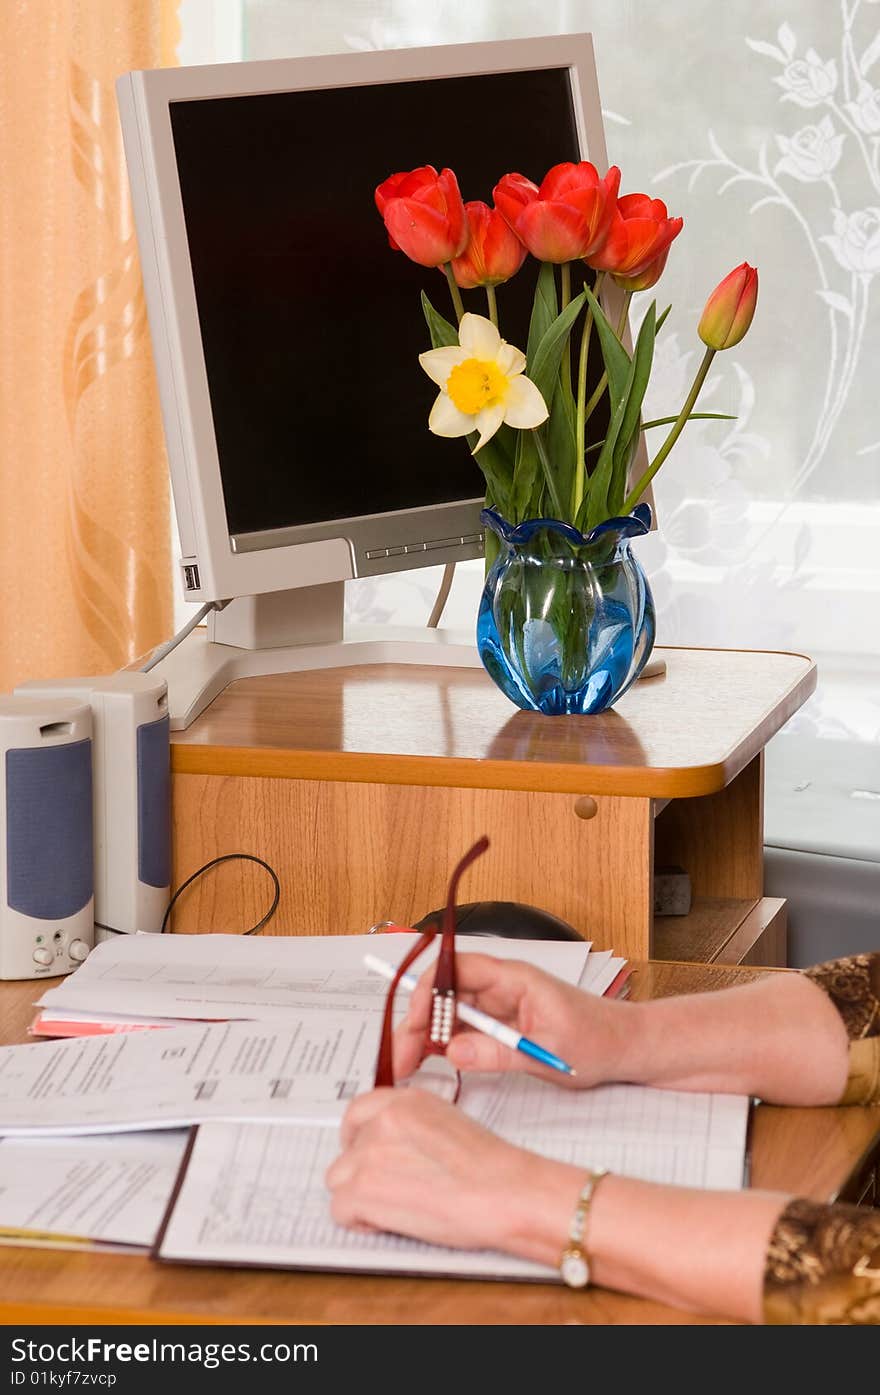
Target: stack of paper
{"x":276,"y":1033}
{"x":86,"y":1193}
{"x":141,"y":981}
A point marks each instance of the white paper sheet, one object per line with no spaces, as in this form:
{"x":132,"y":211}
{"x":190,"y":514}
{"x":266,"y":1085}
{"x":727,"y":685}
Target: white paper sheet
{"x":307,"y":1068}
{"x":112,"y":1188}
{"x":600,"y":971}
{"x":234,"y":976}
{"x":688,"y":1139}
{"x":255,"y":1194}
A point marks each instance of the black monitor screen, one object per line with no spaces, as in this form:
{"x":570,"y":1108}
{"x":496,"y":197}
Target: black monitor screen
{"x":311,"y":324}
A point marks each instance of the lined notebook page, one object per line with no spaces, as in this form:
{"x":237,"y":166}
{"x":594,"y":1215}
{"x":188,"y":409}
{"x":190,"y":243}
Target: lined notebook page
{"x":255,"y":1194}
{"x":687,"y":1139}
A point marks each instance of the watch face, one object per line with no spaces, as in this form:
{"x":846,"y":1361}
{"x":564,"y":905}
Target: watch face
{"x":575,"y":1270}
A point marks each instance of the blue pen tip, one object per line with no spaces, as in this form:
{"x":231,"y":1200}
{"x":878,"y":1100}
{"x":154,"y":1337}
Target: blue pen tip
{"x":546,"y":1058}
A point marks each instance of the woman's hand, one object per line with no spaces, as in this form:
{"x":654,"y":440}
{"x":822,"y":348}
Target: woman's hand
{"x":589,"y":1033}
{"x":417,"y":1166}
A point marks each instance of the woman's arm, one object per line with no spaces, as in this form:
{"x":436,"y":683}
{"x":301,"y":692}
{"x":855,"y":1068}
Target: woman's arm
{"x":780,"y":1038}
{"x":417,"y":1166}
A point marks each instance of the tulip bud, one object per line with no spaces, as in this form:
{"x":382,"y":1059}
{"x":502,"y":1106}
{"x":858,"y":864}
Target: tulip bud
{"x":730,"y":308}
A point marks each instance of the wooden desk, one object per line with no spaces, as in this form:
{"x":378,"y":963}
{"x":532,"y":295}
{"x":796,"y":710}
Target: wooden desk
{"x":812,"y":1152}
{"x":363,"y":786}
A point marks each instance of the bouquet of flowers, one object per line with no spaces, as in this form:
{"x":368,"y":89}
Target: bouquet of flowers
{"x":526,"y":414}
{"x":566,"y":621}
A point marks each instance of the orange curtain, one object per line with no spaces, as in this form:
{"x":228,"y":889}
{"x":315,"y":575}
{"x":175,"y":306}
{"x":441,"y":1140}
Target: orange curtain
{"x":85,"y":568}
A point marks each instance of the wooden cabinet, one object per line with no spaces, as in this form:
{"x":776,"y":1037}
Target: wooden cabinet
{"x":363,"y":786}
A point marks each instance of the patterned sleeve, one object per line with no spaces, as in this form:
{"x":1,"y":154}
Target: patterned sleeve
{"x":853,"y":985}
{"x":823,"y":1266}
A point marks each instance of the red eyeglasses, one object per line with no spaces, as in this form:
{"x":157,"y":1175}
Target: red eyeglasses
{"x":442,"y":1020}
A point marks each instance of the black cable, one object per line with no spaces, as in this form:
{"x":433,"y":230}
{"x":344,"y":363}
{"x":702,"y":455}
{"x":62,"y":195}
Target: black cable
{"x":215,"y":862}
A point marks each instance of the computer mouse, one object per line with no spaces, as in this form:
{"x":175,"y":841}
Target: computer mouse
{"x":511,"y":920}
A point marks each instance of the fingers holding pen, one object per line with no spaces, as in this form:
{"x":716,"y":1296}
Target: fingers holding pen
{"x":480,"y":979}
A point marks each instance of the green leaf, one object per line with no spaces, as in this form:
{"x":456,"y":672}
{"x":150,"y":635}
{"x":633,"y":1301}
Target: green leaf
{"x":526,"y":473}
{"x":550,"y":476}
{"x":561,"y":436}
{"x":628,"y":435}
{"x":553,"y":454}
{"x":614,"y":355}
{"x":543,"y":368}
{"x":497,"y":472}
{"x":594,"y":507}
{"x":661,"y":320}
{"x":692,"y":416}
{"x":443,"y":334}
{"x":544,"y":309}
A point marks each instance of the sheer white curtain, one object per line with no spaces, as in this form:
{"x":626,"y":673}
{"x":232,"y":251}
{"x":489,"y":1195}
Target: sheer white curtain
{"x":759,"y":122}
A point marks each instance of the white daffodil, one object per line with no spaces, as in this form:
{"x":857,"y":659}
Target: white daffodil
{"x":481,"y":384}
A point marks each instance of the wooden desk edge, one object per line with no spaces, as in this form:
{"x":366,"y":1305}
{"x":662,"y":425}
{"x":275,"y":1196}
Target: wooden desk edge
{"x":365,"y":767}
{"x":651,"y":979}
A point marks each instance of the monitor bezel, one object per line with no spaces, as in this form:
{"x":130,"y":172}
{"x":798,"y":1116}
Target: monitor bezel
{"x":215,"y":565}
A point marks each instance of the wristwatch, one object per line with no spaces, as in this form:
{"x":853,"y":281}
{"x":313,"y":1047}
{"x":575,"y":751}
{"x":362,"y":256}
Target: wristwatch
{"x":574,"y":1264}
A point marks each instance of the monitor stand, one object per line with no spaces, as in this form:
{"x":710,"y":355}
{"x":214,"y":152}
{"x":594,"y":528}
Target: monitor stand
{"x":288,"y":632}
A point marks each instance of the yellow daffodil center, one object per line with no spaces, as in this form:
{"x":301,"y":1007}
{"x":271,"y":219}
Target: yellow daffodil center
{"x":475,"y":384}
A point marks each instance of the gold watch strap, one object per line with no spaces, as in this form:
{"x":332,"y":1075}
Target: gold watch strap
{"x":574,"y":1263}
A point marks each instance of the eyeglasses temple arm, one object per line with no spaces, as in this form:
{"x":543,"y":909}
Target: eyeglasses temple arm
{"x":385,"y":1062}
{"x":444,"y":980}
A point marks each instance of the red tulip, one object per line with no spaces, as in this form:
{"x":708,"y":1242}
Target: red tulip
{"x":647,"y":278}
{"x":424,"y":215}
{"x":567,"y":217}
{"x":640,"y":232}
{"x":730,"y":308}
{"x":493,"y":254}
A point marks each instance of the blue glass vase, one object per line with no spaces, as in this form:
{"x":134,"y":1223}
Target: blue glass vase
{"x":566,"y":620}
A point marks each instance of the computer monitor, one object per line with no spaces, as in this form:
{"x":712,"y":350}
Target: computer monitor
{"x":286,"y":332}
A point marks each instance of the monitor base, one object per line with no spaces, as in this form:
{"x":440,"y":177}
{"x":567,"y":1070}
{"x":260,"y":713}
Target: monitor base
{"x":199,"y":668}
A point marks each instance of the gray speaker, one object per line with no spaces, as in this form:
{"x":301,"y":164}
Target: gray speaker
{"x":46,"y":841}
{"x":132,"y":794}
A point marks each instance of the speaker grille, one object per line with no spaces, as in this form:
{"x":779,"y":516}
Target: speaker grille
{"x":154,"y":803}
{"x":49,"y":852}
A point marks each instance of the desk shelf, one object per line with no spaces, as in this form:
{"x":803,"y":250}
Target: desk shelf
{"x":724,"y":930}
{"x":362,"y":786}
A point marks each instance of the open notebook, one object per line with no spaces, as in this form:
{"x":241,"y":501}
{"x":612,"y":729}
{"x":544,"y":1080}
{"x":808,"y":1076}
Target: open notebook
{"x":253,"y":1194}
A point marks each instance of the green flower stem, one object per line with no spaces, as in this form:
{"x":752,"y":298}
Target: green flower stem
{"x":493,"y":305}
{"x":564,"y":285}
{"x":454,"y":292}
{"x":580,"y":469}
{"x":624,"y":312}
{"x":580,"y":472}
{"x":549,"y":477}
{"x":636,"y":493}
{"x":564,"y":298}
{"x":594,"y":399}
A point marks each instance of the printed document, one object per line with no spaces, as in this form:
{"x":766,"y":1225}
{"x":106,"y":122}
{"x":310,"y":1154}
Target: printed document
{"x":236,"y":976}
{"x":307,"y":1068}
{"x":113,"y":1189}
{"x":255,"y":1194}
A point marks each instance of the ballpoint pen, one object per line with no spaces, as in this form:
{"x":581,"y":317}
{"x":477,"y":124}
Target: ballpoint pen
{"x":508,"y":1036}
